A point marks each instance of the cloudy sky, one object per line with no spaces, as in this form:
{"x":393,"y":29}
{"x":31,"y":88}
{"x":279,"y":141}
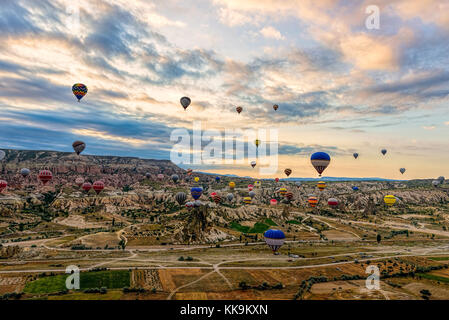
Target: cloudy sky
{"x":340,"y":87}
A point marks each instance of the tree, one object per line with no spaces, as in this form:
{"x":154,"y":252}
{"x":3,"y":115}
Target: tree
{"x":379,"y":238}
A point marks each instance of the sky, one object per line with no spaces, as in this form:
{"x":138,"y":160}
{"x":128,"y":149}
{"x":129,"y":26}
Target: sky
{"x":341,"y":87}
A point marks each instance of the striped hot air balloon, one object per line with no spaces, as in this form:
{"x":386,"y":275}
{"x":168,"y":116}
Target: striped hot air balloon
{"x":247,"y":200}
{"x":332,"y":202}
{"x":282,"y":191}
{"x":288,"y":172}
{"x":79,"y":90}
{"x":321,"y":185}
{"x":274,"y":239}
{"x":239,"y":109}
{"x":98,"y":186}
{"x":181,"y":198}
{"x":45,"y":176}
{"x":87,"y":186}
{"x":196,"y":192}
{"x":313,"y":201}
{"x":320,"y":161}
{"x":389,"y":200}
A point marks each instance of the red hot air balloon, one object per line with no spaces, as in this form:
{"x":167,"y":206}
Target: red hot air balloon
{"x":277,"y":179}
{"x":332,"y":202}
{"x":87,"y":186}
{"x":250,"y":187}
{"x":45,"y":176}
{"x":79,"y":181}
{"x":273,"y":202}
{"x":217,"y":199}
{"x":239,"y":109}
{"x":98,"y":186}
{"x":3,"y":185}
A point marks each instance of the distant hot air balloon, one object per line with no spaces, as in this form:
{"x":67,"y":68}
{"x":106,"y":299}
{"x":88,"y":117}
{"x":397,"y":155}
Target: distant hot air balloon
{"x":189,"y":205}
{"x":276,"y":179}
{"x":282,"y":191}
{"x":217,"y":199}
{"x":78,"y":146}
{"x":275,"y":107}
{"x":79,"y":181}
{"x":181,"y":198}
{"x":175,"y":178}
{"x":355,"y":188}
{"x":313,"y":201}
{"x":320,"y":161}
{"x":230,"y":197}
{"x":98,"y":186}
{"x":189,"y":172}
{"x":273,"y":202}
{"x":383,"y":151}
{"x":185,"y":102}
{"x":435,"y":183}
{"x":45,"y":176}
{"x":356,"y":155}
{"x":160,"y":176}
{"x":389,"y":200}
{"x":196,"y":192}
{"x":252,"y":194}
{"x":232,"y":185}
{"x":148,"y":175}
{"x":289,"y":196}
{"x":86,"y":186}
{"x":441,"y":179}
{"x":79,"y":90}
{"x":321,"y":185}
{"x":257,"y":184}
{"x":402,"y":170}
{"x":288,"y":172}
{"x":250,"y":187}
{"x":213,"y":194}
{"x":196,"y":179}
{"x":3,"y":185}
{"x":257,"y":143}
{"x":332,"y":202}
{"x":247,"y":200}
{"x":25,"y":172}
{"x":253,"y":164}
{"x":274,"y":239}
{"x":2,"y":155}
{"x":197,"y":203}
{"x":239,"y":109}
{"x":217,"y":179}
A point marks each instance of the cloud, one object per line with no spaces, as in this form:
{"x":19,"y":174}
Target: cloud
{"x":272,"y":33}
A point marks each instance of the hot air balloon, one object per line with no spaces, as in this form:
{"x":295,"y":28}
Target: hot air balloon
{"x":3,"y":185}
{"x":230,"y":197}
{"x":2,"y":155}
{"x":232,"y":185}
{"x":160,"y":176}
{"x":181,"y":198}
{"x":441,"y":179}
{"x":289,"y":196}
{"x":313,"y":201}
{"x":196,"y":192}
{"x":383,"y":151}
{"x":86,"y":186}
{"x":320,"y":161}
{"x":78,"y":146}
{"x":356,"y":155}
{"x":79,"y":90}
{"x":217,"y":179}
{"x":355,"y":188}
{"x":298,"y":183}
{"x":332,"y":202}
{"x":389,"y":200}
{"x":196,"y":179}
{"x":190,"y":205}
{"x":98,"y":186}
{"x":276,"y":179}
{"x":175,"y":178}
{"x":282,"y":191}
{"x":185,"y":102}
{"x":25,"y":172}
{"x":217,"y":199}
{"x":250,"y":187}
{"x":252,"y":194}
{"x":253,"y":164}
{"x":288,"y":172}
{"x":239,"y":109}
{"x":321,"y":185}
{"x":189,"y":172}
{"x":257,"y":142}
{"x":435,"y":183}
{"x":273,"y":202}
{"x":213,"y":194}
{"x":79,"y":181}
{"x":402,"y":170}
{"x":247,"y":200}
{"x":275,"y":107}
{"x":148,"y":175}
{"x":45,"y":176}
{"x":274,"y":239}
{"x":257,"y":184}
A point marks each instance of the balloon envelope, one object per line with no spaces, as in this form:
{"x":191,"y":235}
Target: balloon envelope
{"x":175,"y":177}
{"x":45,"y":176}
{"x":79,"y":90}
{"x":402,"y":170}
{"x":320,"y":161}
{"x":3,"y":185}
{"x":25,"y":172}
{"x":356,"y":155}
{"x":274,"y":239}
{"x":196,"y":192}
{"x":230,"y":197}
{"x":185,"y":102}
{"x":98,"y":186}
{"x":383,"y":151}
{"x":78,"y":147}
{"x":389,"y":200}
{"x":181,"y":198}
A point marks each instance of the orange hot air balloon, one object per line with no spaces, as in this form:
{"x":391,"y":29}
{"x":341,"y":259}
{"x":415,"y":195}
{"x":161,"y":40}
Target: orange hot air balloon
{"x":282,"y":191}
{"x":313,"y":201}
{"x":288,"y":172}
{"x":239,"y":109}
{"x":98,"y":186}
{"x":321,"y":185}
{"x":45,"y":176}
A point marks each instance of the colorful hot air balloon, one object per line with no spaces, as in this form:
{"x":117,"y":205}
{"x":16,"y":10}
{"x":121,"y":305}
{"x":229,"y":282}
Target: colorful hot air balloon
{"x":160,"y":176}
{"x":175,"y":178}
{"x":282,"y":191}
{"x":239,"y":109}
{"x":3,"y":185}
{"x":247,"y":200}
{"x":275,"y":107}
{"x":356,"y":155}
{"x":87,"y":186}
{"x":230,"y":197}
{"x":273,"y":202}
{"x":213,"y":194}
{"x":181,"y":198}
{"x":276,"y":179}
{"x":274,"y":239}
{"x":185,"y":102}
{"x":217,"y":199}
{"x":232,"y":185}
{"x":355,"y":188}
{"x":79,"y":90}
{"x":257,"y":184}
{"x":389,"y":200}
{"x":313,"y":201}
{"x":189,"y":205}
{"x":402,"y":170}
{"x":25,"y":172}
{"x":252,"y":194}
{"x":250,"y":187}
{"x":253,"y":164}
{"x":383,"y":151}
{"x":217,"y":179}
{"x":332,"y":202}
{"x":321,"y":185}
{"x":78,"y":146}
{"x":98,"y":186}
{"x":320,"y":161}
{"x":45,"y":176}
{"x":196,"y":179}
{"x":2,"y":155}
{"x":196,"y":192}
{"x":79,"y":181}
{"x":288,"y":172}
{"x":189,"y":172}
{"x":289,"y":196}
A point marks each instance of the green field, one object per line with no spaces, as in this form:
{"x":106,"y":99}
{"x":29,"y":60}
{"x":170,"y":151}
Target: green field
{"x":433,"y":277}
{"x":115,"y":279}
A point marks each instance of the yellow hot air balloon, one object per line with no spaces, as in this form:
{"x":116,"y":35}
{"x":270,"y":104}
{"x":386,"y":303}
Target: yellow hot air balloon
{"x":257,"y":184}
{"x":196,"y":179}
{"x":389,"y":200}
{"x":247,"y":200}
{"x":321,"y":185}
{"x":232,"y":184}
{"x":282,"y":191}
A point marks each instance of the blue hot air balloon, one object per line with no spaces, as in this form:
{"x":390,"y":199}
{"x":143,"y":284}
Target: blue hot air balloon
{"x":320,"y":160}
{"x":196,"y":192}
{"x":274,"y":239}
{"x":355,"y":188}
{"x":217,"y":179}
